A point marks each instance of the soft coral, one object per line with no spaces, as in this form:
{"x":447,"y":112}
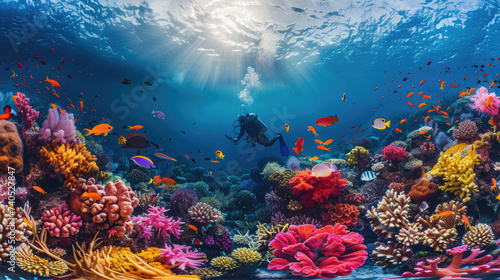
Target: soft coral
{"x":183,"y":257}
{"x":316,"y":189}
{"x":155,"y":219}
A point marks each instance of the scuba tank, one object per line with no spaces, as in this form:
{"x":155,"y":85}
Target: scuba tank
{"x":258,"y":123}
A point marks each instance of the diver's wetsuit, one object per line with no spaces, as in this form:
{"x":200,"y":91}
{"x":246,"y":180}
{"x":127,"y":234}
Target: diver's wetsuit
{"x":255,"y":133}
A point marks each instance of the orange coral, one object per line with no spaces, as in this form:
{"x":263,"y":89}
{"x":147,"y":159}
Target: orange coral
{"x":316,"y":189}
{"x":398,"y":187}
{"x":422,"y":190}
{"x":341,"y":213}
{"x":72,"y":160}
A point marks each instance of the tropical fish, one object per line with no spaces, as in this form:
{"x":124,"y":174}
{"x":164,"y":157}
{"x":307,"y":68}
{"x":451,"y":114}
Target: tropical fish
{"x":164,"y":180}
{"x":402,"y":121}
{"x":136,"y":127}
{"x":423,"y":132}
{"x":94,"y":196}
{"x":111,"y":232}
{"x":426,"y":97}
{"x":421,"y":105}
{"x":327,"y":121}
{"x":381,"y":124}
{"x":27,"y":223}
{"x":122,"y":140}
{"x":323,"y":169}
{"x":99,"y":129}
{"x":287,"y":127}
{"x":313,"y":158}
{"x":7,"y":115}
{"x":488,"y":102}
{"x":343,"y":97}
{"x":219,"y":154}
{"x":136,"y":141}
{"x":40,"y":190}
{"x":327,"y":142}
{"x":423,"y":206}
{"x":442,"y":85}
{"x":193,"y":228}
{"x":442,"y":214}
{"x":409,"y":103}
{"x":494,"y":184}
{"x":153,"y":196}
{"x":466,"y":220}
{"x":319,"y":141}
{"x":426,"y":118}
{"x":410,"y":94}
{"x":311,"y":129}
{"x":158,"y":114}
{"x":398,"y":130}
{"x":196,"y":241}
{"x":160,"y":155}
{"x":423,"y":81}
{"x":214,"y":161}
{"x":369,"y":175}
{"x":54,"y":83}
{"x":323,"y":148}
{"x":299,"y":145}
{"x":143,"y":161}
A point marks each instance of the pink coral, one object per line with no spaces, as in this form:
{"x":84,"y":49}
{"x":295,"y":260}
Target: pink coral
{"x":327,"y":252}
{"x":60,"y":129}
{"x":27,"y":112}
{"x":428,"y":148}
{"x":453,"y":269}
{"x":112,"y":211}
{"x":482,"y":102}
{"x":60,"y":222}
{"x":182,"y":257}
{"x":156,"y":220}
{"x":394,"y":153}
{"x":316,"y":189}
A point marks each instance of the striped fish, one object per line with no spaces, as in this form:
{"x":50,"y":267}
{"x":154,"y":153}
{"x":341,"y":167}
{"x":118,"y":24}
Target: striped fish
{"x":369,"y":175}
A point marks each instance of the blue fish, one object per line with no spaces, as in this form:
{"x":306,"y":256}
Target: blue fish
{"x":143,"y":161}
{"x":158,"y":114}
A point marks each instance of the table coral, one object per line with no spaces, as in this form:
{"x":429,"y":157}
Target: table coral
{"x":112,"y":211}
{"x":327,"y":252}
{"x":26,"y":111}
{"x":72,"y":160}
{"x":60,"y":222}
{"x":313,"y":190}
{"x":480,"y":236}
{"x":11,"y":147}
{"x":423,"y":190}
{"x":358,"y":156}
{"x":457,"y":171}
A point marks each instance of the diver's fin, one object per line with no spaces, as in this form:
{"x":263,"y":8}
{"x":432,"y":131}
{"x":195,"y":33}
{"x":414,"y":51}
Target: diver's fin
{"x":284,"y":148}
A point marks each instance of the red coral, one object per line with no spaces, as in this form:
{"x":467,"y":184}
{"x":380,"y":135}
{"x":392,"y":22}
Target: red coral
{"x":316,"y":189}
{"x":394,"y":153}
{"x":398,"y":187}
{"x":422,"y":190}
{"x":428,"y":148}
{"x":340,"y":213}
{"x":327,"y":252}
{"x":353,"y":198}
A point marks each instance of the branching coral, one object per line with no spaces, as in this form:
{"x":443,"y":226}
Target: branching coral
{"x":457,"y":171}
{"x":340,"y":213}
{"x":439,"y":238}
{"x":423,"y":190}
{"x":480,"y":237}
{"x":112,"y":211}
{"x":327,"y":252}
{"x":391,"y":254}
{"x":72,"y":160}
{"x":26,"y":111}
{"x":313,"y":190}
{"x":358,"y":157}
{"x":60,"y":222}
{"x":32,"y":263}
{"x":455,"y":218}
{"x":410,"y":236}
{"x":392,"y":210}
{"x":205,"y":214}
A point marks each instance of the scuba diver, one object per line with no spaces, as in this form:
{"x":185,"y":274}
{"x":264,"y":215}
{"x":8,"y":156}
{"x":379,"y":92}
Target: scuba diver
{"x":255,"y":128}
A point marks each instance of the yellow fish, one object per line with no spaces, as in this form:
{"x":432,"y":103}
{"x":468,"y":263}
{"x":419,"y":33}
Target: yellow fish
{"x":313,"y":158}
{"x":219,"y":154}
{"x":287,"y":127}
{"x":13,"y":75}
{"x":99,"y":129}
{"x":311,"y":129}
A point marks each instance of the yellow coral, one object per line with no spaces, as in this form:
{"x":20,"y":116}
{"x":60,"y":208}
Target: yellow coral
{"x":224,"y":263}
{"x":458,"y":174}
{"x":356,"y":154}
{"x":32,"y":263}
{"x":246,"y":255}
{"x":72,"y":160}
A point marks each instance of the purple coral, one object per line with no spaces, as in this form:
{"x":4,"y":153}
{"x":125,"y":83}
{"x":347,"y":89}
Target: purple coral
{"x":182,"y":199}
{"x":60,"y":222}
{"x":224,"y":242}
{"x":485,"y":102}
{"x":60,"y":129}
{"x":183,"y":257}
{"x":156,"y":220}
{"x":27,"y":112}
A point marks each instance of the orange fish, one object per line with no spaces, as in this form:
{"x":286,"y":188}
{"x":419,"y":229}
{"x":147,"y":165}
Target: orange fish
{"x":136,"y":127}
{"x":493,"y":83}
{"x":426,"y":118}
{"x":442,"y":214}
{"x":472,"y":90}
{"x":421,"y":105}
{"x":8,"y":113}
{"x":423,"y":81}
{"x":319,"y":141}
{"x":409,"y":103}
{"x":164,"y":180}
{"x":429,"y":137}
{"x":328,"y":142}
{"x":494,"y":184}
{"x":423,"y":132}
{"x":311,"y":129}
{"x":54,"y":83}
{"x":376,"y":88}
{"x":323,"y":148}
{"x":103,"y":128}
{"x":40,"y":190}
{"x":214,"y":161}
{"x":444,"y":113}
{"x":431,"y":110}
{"x":464,"y":93}
{"x":94,"y":196}
{"x":81,"y":105}
{"x":453,"y":86}
{"x":489,"y":101}
{"x":420,"y":93}
{"x":485,"y":74}
{"x":442,"y":85}
{"x":426,"y":97}
{"x":327,"y":121}
{"x":448,"y":123}
{"x":193,"y":228}
{"x":72,"y":106}
{"x":410,"y":94}
{"x":53,"y":106}
{"x":402,"y":121}
{"x":466,"y":221}
{"x":398,"y":130}
{"x":62,"y":111}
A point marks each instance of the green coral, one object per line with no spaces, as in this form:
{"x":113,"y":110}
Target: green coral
{"x":357,"y":154}
{"x":270,"y":168}
{"x":457,"y":171}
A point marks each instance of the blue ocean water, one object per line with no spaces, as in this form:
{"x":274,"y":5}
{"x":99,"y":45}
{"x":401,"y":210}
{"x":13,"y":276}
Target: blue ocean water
{"x":289,"y":62}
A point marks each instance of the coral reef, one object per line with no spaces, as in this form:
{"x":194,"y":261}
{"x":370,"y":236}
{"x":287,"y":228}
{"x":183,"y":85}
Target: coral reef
{"x":246,"y":255}
{"x":466,"y":131}
{"x":393,"y":153}
{"x":270,"y":168}
{"x":313,"y":190}
{"x":155,"y":219}
{"x":340,"y":213}
{"x":480,"y":102}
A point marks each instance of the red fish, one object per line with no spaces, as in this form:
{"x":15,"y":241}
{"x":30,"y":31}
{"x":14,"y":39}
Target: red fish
{"x":8,"y":114}
{"x":153,"y":196}
{"x":405,"y":79}
{"x":423,"y":81}
{"x":327,"y":121}
{"x":299,"y":145}
{"x":43,"y":62}
{"x":19,"y":65}
{"x":429,"y":63}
